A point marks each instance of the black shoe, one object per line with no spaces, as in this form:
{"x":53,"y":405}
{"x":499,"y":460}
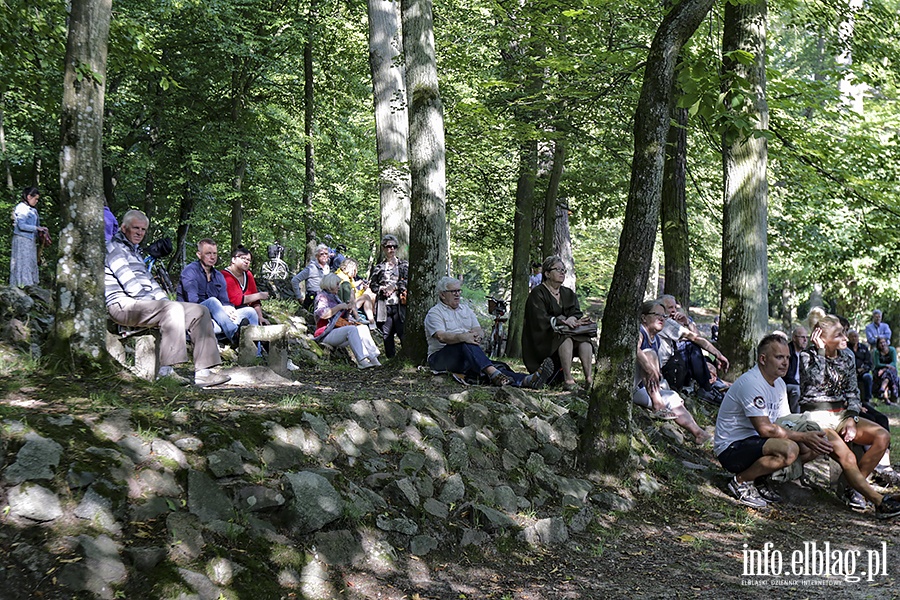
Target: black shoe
{"x":537,"y":379}
{"x":857,"y":501}
{"x":889,"y":508}
{"x":236,"y":339}
{"x":766,"y":490}
{"x":887,"y":476}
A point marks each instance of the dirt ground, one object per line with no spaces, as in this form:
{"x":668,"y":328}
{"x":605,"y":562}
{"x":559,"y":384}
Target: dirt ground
{"x":688,"y":540}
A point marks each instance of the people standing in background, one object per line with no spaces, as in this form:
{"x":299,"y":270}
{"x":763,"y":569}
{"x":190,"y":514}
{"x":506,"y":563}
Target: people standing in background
{"x":388,"y":283}
{"x":110,"y":223}
{"x":877,"y":329}
{"x":27,"y":233}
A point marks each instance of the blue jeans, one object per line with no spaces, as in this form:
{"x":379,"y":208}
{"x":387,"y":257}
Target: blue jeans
{"x":221,"y":320}
{"x":865,"y":386}
{"x":468,"y":359}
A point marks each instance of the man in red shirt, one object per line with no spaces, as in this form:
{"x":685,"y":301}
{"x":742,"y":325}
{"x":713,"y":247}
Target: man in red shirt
{"x":242,"y":289}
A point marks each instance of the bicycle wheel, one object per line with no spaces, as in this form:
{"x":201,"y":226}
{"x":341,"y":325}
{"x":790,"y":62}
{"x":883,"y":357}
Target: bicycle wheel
{"x":274,"y":269}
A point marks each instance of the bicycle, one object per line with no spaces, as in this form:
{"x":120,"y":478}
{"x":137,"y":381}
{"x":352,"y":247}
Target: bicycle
{"x":155,"y":251}
{"x":275,"y":267}
{"x":497,"y":310}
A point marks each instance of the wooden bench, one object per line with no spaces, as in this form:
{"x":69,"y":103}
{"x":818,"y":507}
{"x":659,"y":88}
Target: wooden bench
{"x":146,"y":348}
{"x":275,"y":335}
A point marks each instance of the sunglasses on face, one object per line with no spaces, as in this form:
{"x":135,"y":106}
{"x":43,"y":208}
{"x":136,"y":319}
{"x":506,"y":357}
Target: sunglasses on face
{"x":394,"y":246}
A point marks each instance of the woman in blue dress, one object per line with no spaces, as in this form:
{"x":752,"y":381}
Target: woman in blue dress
{"x":27,"y":232}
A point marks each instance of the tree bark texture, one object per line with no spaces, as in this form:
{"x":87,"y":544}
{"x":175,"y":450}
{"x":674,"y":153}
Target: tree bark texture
{"x":522,"y":231}
{"x":674,"y":218}
{"x":606,"y":441}
{"x":551,"y":198}
{"x":80,"y":307}
{"x":427,"y":161}
{"x":309,"y":115}
{"x":391,"y":118}
{"x":745,"y":281}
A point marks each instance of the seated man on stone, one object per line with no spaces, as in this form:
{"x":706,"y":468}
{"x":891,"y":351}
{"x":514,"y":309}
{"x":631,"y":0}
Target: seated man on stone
{"x":863,"y":358}
{"x":681,"y":351}
{"x":134,"y":299}
{"x":799,"y":340}
{"x":242,"y":290}
{"x":748,"y":442}
{"x":454,"y":336}
{"x":202,"y":284}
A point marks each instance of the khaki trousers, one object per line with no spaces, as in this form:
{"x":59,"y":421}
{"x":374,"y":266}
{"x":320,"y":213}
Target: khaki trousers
{"x":173,"y":319}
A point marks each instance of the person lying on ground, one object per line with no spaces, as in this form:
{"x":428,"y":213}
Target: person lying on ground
{"x":830,"y":395}
{"x":454,"y":343}
{"x":134,"y":299}
{"x":748,"y":442}
{"x":337,"y":324}
{"x":651,"y":390}
{"x":549,"y":310}
{"x":202,"y":284}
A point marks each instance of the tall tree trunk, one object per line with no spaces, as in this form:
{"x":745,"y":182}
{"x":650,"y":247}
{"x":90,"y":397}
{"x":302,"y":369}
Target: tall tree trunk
{"x":605,"y":444}
{"x":185,"y":213}
{"x":745,"y":281}
{"x":522,"y":231}
{"x":80,"y":324}
{"x":428,"y":232}
{"x":551,"y":199}
{"x":309,"y":113}
{"x":238,"y":94}
{"x":6,"y":167}
{"x":787,"y":306}
{"x":391,"y":118}
{"x":562,"y":242}
{"x":675,"y":237}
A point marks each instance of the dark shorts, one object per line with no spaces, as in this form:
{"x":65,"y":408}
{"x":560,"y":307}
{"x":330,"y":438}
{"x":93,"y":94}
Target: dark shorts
{"x":740,"y":456}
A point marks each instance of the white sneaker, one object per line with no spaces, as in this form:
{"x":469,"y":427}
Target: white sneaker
{"x":373,"y":360}
{"x":291,"y":366}
{"x":169,"y":374}
{"x":746,"y":493}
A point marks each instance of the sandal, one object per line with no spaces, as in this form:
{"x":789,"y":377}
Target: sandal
{"x":664,"y":415}
{"x":499,"y":379}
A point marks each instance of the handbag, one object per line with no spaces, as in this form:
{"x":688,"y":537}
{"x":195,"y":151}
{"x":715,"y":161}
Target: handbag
{"x":587,"y":330}
{"x":341,"y":322}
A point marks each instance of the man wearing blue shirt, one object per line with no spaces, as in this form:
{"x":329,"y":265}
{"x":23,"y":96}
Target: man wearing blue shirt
{"x":877,"y":329}
{"x":201,"y":283}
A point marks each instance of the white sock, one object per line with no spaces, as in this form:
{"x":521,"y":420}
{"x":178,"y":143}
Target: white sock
{"x":165,"y":371}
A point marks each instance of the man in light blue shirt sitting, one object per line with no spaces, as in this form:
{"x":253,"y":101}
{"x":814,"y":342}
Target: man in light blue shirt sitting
{"x":877,"y":329}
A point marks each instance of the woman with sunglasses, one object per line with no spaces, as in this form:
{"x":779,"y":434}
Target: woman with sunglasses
{"x":650,"y":388}
{"x":549,"y":309}
{"x":388,"y":283}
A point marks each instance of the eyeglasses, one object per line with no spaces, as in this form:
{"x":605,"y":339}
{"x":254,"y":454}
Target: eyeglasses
{"x":394,"y":246}
{"x":454,"y":292}
{"x":562,"y":270}
{"x":657,"y":315}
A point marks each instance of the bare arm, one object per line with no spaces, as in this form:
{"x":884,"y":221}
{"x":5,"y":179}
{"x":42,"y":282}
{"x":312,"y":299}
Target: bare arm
{"x":817,"y":441}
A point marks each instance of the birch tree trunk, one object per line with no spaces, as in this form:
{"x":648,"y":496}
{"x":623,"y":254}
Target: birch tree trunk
{"x":551,"y":199}
{"x":745,"y":281}
{"x":605,"y":444}
{"x":428,"y":224}
{"x":80,"y":325}
{"x":391,"y":117}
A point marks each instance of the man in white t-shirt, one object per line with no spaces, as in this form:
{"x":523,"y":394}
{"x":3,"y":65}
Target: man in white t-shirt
{"x":454,"y":337}
{"x":748,"y":442}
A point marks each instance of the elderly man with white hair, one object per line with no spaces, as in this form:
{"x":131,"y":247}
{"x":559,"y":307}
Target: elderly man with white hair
{"x":454,"y":336}
{"x":134,"y":299}
{"x":877,"y":329}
